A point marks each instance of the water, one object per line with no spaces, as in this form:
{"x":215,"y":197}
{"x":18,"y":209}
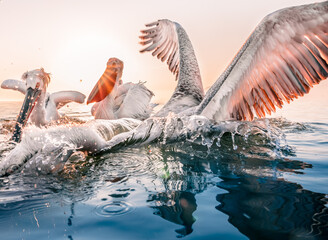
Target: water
{"x":247,"y":186}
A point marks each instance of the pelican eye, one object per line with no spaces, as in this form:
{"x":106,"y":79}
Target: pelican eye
{"x":24,"y":76}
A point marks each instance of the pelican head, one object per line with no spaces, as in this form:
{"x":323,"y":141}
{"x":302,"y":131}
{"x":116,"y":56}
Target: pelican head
{"x":106,"y":83}
{"x":116,"y":65}
{"x":36,"y":82}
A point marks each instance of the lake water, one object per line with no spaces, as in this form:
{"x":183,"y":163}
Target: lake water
{"x":169,"y":191}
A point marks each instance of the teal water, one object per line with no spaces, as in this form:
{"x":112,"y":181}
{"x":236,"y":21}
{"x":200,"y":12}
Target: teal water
{"x":179,"y":190}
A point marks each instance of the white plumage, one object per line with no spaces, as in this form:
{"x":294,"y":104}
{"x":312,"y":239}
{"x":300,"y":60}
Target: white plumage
{"x":164,"y":42}
{"x":129,"y":100}
{"x":116,"y":100}
{"x":282,"y":59}
{"x":168,"y":40}
{"x":46,"y":106}
{"x":47,"y":145}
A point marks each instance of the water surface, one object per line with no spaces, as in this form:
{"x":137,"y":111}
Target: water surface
{"x":271,"y":188}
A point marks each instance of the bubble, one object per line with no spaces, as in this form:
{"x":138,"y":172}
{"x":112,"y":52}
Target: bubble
{"x":113,"y":209}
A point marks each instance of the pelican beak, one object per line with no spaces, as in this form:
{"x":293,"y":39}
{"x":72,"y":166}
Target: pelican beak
{"x":104,"y":86}
{"x":30,"y":99}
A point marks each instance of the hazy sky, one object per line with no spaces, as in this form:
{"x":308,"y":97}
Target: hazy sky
{"x":74,"y":39}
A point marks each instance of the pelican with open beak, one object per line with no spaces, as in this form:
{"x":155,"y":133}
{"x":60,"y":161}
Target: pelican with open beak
{"x":38,"y":106}
{"x":116,"y":100}
{"x":36,"y":83}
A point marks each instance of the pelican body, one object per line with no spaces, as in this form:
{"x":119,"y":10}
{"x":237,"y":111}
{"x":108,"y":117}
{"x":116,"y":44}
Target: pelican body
{"x":285,"y":56}
{"x":116,"y":100}
{"x":39,"y":106}
{"x":49,"y":144}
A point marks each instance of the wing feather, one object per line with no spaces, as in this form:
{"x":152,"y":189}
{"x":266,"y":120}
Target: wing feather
{"x":162,"y":41}
{"x":63,"y":97}
{"x":282,"y":59}
{"x":132,"y":101}
{"x":13,"y":84}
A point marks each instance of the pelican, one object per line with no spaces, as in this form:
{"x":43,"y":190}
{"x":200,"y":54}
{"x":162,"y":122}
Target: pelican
{"x":49,"y":148}
{"x":168,"y":40}
{"x":39,"y":106}
{"x":284,"y":57}
{"x":281,"y":60}
{"x":116,"y":100}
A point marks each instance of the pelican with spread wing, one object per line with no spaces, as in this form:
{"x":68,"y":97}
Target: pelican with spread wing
{"x":281,"y":60}
{"x":285,"y":56}
{"x":116,"y":100}
{"x":169,"y":41}
{"x":39,"y":106}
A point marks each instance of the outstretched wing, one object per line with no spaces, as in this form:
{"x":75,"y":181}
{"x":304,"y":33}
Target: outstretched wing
{"x":168,"y":41}
{"x":163,"y":42}
{"x":63,"y":97}
{"x":282,"y":59}
{"x":13,"y":84}
{"x":132,"y":100}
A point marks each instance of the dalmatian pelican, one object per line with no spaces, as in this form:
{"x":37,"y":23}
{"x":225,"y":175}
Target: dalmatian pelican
{"x":284,"y":57}
{"x":39,"y":106}
{"x":115,"y":99}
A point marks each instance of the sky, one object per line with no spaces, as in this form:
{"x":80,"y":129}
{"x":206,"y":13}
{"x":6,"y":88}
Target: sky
{"x":73,"y":39}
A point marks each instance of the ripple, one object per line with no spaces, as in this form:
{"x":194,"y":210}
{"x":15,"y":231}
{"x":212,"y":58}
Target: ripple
{"x":11,"y":206}
{"x":113,"y":209}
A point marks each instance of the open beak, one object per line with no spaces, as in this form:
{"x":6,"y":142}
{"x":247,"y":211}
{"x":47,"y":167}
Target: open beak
{"x":104,"y":86}
{"x":30,"y":99}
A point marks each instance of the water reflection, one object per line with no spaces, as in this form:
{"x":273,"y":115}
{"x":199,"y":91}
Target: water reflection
{"x":260,"y":203}
{"x":176,"y":207}
{"x":266,"y":208}
{"x":70,"y":218}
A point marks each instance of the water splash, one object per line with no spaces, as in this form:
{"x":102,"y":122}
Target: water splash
{"x":48,"y":149}
{"x":262,"y":137}
{"x":259,"y":138}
